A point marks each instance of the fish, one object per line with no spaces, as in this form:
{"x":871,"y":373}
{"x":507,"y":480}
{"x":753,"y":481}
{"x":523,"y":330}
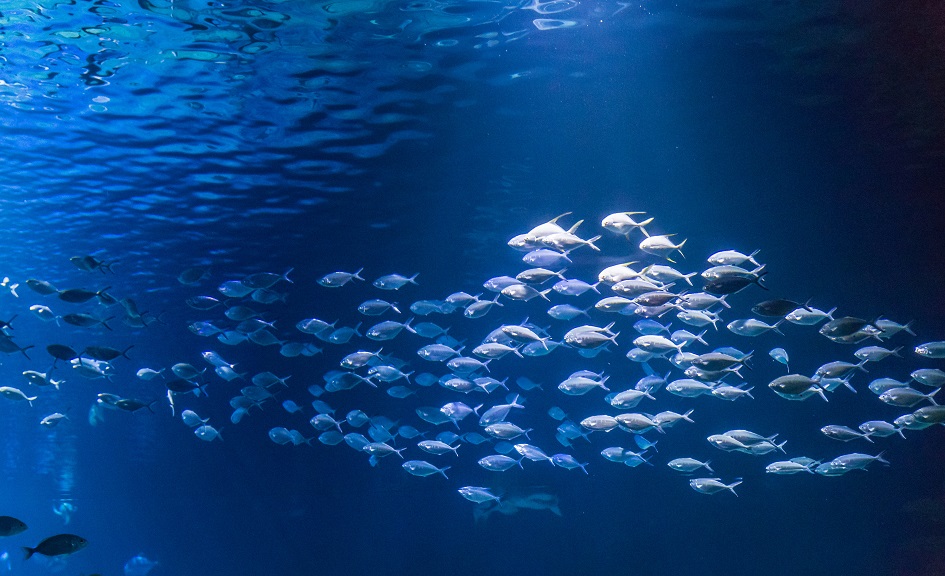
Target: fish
{"x":478,"y":494}
{"x":423,"y":468}
{"x":689,"y":465}
{"x":778,"y":308}
{"x":80,"y":295}
{"x":732,"y":258}
{"x":58,"y":545}
{"x":10,"y":526}
{"x":339,"y":279}
{"x":53,"y":420}
{"x":713,"y":485}
{"x":208,"y":433}
{"x":394,"y":281}
{"x":930,"y":349}
{"x":90,"y":263}
{"x":86,"y":320}
{"x":780,"y":355}
{"x":16,"y":394}
{"x":622,"y":223}
{"x":41,"y":287}
{"x":661,"y":246}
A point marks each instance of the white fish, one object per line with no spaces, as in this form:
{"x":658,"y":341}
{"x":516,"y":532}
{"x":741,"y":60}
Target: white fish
{"x":930,"y":349}
{"x":791,"y":467}
{"x":191,"y":419}
{"x":732,"y":258}
{"x":622,"y":223}
{"x":437,"y":447}
{"x":698,"y":318}
{"x":689,"y":465}
{"x":53,"y":419}
{"x":809,"y":316}
{"x":662,"y":246}
{"x":751,"y":327}
{"x":523,"y":292}
{"x":339,"y":279}
{"x":478,"y":494}
{"x":208,"y":433}
{"x":712,"y":485}
{"x":618,"y":273}
{"x":394,"y":281}
{"x":423,"y":468}
{"x":44,"y":313}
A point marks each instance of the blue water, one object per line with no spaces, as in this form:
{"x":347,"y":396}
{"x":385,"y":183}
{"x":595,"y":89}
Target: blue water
{"x":419,"y":137}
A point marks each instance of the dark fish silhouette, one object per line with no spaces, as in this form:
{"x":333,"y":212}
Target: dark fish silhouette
{"x":10,"y":526}
{"x":58,"y":545}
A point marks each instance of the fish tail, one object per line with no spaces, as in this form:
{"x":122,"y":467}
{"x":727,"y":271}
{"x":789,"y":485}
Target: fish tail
{"x":23,"y":350}
{"x":28,"y":552}
{"x":443,"y":471}
{"x":105,"y":322}
{"x":908,"y":327}
{"x":751,"y":257}
{"x":285,"y":276}
{"x":591,"y":243}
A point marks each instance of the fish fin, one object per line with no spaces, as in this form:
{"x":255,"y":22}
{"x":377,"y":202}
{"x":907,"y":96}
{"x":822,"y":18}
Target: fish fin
{"x":574,"y":228}
{"x":908,"y":327}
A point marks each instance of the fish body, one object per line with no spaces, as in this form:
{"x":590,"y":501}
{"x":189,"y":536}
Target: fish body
{"x":59,"y":545}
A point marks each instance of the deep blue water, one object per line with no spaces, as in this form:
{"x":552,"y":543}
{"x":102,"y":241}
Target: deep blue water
{"x":419,"y":137}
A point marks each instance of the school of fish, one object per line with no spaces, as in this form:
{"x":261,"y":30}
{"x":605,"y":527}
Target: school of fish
{"x":444,"y":382}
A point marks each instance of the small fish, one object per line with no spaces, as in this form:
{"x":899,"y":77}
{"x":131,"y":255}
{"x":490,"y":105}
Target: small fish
{"x":780,"y":355}
{"x":10,"y":526}
{"x":712,"y":485}
{"x":193,"y":276}
{"x":80,"y":295}
{"x":16,"y":394}
{"x":41,"y":287}
{"x":53,"y":420}
{"x":622,"y":223}
{"x":423,"y":468}
{"x":339,"y":279}
{"x":478,"y":494}
{"x":58,"y":545}
{"x":208,"y":433}
{"x":689,"y":465}
{"x":394,"y":281}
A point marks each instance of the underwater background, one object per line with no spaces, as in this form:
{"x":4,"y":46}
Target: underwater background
{"x":418,"y":138}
